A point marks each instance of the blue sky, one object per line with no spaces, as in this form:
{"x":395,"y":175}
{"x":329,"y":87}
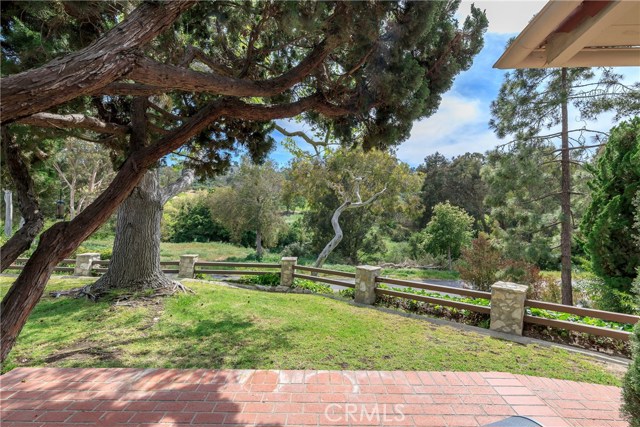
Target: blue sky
{"x":461,"y":123}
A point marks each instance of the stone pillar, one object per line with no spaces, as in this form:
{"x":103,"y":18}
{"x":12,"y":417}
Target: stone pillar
{"x":286,"y":271}
{"x":366,"y":284}
{"x":84,"y":263}
{"x":187,"y":266}
{"x":507,"y":307}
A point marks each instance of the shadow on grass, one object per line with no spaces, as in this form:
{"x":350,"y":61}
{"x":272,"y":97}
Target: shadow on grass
{"x":230,"y":342}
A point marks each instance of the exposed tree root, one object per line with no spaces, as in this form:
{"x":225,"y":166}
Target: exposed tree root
{"x":143,"y":290}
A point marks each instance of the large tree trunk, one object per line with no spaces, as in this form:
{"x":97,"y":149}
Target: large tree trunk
{"x":27,"y":202}
{"x":135,"y":262}
{"x":565,"y":201}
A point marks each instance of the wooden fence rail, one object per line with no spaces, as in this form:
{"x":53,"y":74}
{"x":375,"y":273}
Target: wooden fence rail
{"x":246,"y":268}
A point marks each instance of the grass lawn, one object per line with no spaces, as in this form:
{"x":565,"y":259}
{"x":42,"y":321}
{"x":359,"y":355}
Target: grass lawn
{"x":221,"y":327}
{"x":210,"y":251}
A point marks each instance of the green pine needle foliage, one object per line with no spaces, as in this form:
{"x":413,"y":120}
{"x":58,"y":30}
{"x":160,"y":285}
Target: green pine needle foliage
{"x":631,"y":384}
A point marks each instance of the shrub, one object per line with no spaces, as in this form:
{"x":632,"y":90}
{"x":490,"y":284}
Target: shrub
{"x":295,"y":249}
{"x":523,"y":273}
{"x":195,"y":224}
{"x":106,"y":254}
{"x":270,"y":279}
{"x":347,"y":293}
{"x":631,"y":383}
{"x":315,"y":287}
{"x":480,"y":263}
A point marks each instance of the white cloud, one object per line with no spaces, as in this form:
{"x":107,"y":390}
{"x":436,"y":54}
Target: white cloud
{"x":460,"y":125}
{"x":505,"y":16}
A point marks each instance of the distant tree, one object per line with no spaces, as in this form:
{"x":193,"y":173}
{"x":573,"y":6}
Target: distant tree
{"x":349,"y":192}
{"x":85,"y":169}
{"x":532,"y":101}
{"x":194,"y":223}
{"x":457,"y":181}
{"x":449,"y":230}
{"x":608,"y":224}
{"x":251,"y":204}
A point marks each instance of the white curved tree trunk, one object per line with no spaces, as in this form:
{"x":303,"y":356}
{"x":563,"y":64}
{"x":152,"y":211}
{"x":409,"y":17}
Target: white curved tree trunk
{"x":335,"y":222}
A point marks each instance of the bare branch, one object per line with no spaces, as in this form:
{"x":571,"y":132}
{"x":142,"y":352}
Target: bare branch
{"x":185,"y":180}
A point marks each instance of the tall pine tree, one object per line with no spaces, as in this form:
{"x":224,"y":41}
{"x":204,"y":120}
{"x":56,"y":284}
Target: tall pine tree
{"x":533,"y":108}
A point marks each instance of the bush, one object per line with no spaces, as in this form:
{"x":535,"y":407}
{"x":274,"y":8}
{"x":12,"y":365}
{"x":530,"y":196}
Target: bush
{"x":295,"y":249}
{"x":106,"y":254}
{"x":480,"y":263}
{"x":347,"y":293}
{"x":631,"y":383}
{"x":195,"y":224}
{"x":270,"y":279}
{"x":315,"y":287}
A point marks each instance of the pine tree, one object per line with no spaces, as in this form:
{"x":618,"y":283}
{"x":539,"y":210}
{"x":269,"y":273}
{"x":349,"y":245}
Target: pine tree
{"x":532,"y":101}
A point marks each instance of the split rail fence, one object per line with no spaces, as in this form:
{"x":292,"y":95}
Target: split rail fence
{"x":365,"y":282}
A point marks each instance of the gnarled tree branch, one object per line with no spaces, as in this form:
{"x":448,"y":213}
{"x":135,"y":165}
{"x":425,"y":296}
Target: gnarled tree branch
{"x":27,"y":202}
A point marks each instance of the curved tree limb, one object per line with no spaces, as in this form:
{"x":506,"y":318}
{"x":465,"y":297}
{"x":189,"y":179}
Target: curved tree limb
{"x":83,"y":72}
{"x":78,"y":121}
{"x":27,"y":202}
{"x":185,"y":180}
{"x":157,"y":77}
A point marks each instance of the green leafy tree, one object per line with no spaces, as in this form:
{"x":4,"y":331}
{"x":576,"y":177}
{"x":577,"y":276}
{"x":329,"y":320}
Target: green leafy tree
{"x":608,"y":224}
{"x":251,"y":204}
{"x":457,"y":181}
{"x":194,"y":223}
{"x":531,"y":102}
{"x":449,"y":230}
{"x":349,"y":194}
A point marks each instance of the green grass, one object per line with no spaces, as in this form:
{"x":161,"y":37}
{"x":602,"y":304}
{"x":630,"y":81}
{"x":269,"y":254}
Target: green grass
{"x":221,"y":327}
{"x":210,"y":251}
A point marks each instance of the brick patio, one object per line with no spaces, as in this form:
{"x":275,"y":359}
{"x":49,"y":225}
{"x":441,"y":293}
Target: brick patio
{"x":167,"y":397}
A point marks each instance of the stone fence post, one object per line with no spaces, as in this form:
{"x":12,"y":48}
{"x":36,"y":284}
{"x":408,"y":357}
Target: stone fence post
{"x":366,"y":284}
{"x":187,"y":268}
{"x":84,"y":263}
{"x":287,"y":265}
{"x":507,"y":307}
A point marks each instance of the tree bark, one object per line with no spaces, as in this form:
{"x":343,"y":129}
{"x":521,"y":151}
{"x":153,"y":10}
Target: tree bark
{"x":337,"y":237}
{"x":259,"y":250}
{"x":27,"y":203}
{"x":565,"y":200}
{"x":135,"y":262}
{"x":87,"y":70}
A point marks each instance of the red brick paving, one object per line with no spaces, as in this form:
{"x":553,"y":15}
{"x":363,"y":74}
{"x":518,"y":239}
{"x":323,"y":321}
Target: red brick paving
{"x":171,"y":397}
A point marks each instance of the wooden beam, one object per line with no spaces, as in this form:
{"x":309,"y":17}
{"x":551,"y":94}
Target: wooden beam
{"x":589,"y":57}
{"x":561,"y":47}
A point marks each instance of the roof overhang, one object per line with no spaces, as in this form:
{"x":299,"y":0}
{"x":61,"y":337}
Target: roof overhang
{"x":577,"y":33}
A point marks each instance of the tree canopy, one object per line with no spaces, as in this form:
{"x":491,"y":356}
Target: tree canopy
{"x":608,"y":224}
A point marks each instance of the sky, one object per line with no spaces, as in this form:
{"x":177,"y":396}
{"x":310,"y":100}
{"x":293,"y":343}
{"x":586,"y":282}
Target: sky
{"x":461,"y":123}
